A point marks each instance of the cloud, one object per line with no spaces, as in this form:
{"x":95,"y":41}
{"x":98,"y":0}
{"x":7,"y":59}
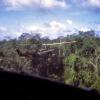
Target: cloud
{"x":94,"y":4}
{"x":97,"y":28}
{"x":51,"y":29}
{"x":18,"y":4}
{"x":53,"y":3}
{"x":85,"y":29}
{"x":3,"y":29}
{"x":3,"y":32}
{"x":21,"y":4}
{"x":69,"y":21}
{"x":6,"y":32}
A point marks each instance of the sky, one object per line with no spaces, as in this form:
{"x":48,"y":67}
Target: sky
{"x":50,"y":18}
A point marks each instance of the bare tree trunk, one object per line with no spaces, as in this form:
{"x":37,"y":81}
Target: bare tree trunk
{"x":95,"y":68}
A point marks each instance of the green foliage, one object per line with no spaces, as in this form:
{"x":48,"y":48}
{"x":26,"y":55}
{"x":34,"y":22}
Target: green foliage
{"x":96,"y":84}
{"x":87,"y":78}
{"x":70,"y":60}
{"x":81,"y":60}
{"x":70,"y":76}
{"x":78,"y":72}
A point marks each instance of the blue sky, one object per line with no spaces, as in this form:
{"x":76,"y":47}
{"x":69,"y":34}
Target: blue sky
{"x":49,"y":17}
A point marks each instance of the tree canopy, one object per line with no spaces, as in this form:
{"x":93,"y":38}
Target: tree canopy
{"x":76,"y":64}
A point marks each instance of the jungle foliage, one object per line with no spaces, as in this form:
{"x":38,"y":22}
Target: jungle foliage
{"x":76,"y":64}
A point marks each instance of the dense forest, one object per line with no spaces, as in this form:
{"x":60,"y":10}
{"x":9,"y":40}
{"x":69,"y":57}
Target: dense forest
{"x":77,"y":64}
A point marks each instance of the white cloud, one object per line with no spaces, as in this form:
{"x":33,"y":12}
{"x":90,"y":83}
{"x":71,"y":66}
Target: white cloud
{"x":17,"y":34}
{"x":21,"y":4}
{"x":97,"y":28}
{"x":53,"y":3}
{"x":6,"y":32}
{"x":94,"y":3}
{"x":69,"y":21}
{"x":85,"y":29}
{"x":3,"y":32}
{"x":3,"y":29}
{"x":51,"y":29}
{"x":90,"y":3}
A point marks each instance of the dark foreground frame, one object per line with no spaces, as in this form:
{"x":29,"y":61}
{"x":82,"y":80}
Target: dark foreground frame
{"x":24,"y":86}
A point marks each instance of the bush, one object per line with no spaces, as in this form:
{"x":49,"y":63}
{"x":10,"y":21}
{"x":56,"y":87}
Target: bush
{"x":96,"y":84}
